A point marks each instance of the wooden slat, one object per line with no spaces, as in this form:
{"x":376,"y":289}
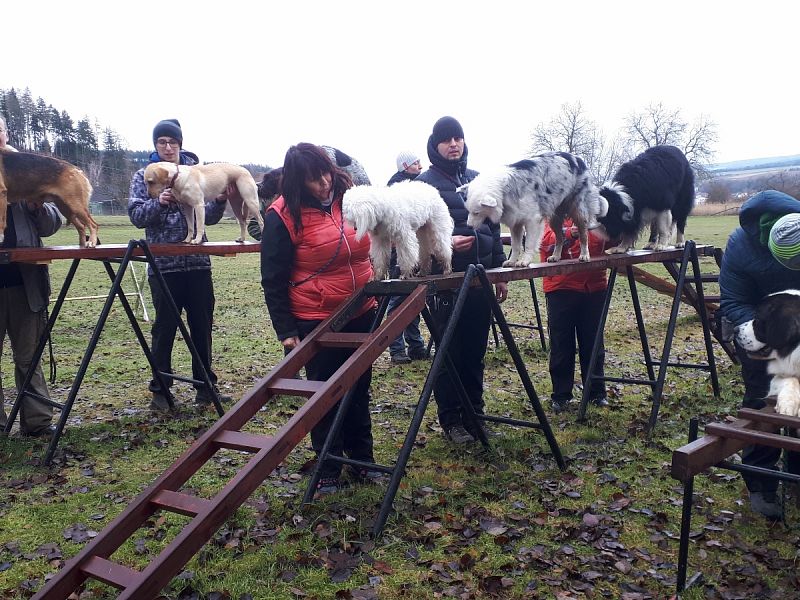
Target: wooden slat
{"x":333,"y":339}
{"x":109,"y":572}
{"x":755,"y":437}
{"x":295,"y":387}
{"x":179,"y":503}
{"x":238,"y":440}
{"x":767,"y":415}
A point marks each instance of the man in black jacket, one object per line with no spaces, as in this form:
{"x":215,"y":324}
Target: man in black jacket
{"x":448,"y":155}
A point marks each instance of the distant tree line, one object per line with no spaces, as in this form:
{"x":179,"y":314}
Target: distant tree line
{"x":37,"y":126}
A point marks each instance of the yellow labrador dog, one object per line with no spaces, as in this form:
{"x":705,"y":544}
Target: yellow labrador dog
{"x":192,"y":186}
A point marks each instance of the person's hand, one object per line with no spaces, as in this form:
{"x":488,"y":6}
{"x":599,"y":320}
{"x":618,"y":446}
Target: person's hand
{"x":462,"y":243}
{"x":290,"y":342}
{"x":33,"y":207}
{"x":166,"y":197}
{"x":501,"y":291}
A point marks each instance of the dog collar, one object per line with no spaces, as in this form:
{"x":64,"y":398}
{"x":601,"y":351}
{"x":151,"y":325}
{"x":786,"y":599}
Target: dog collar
{"x":174,"y":177}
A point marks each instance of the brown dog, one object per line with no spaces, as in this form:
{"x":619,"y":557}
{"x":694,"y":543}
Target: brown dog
{"x":191,"y":186}
{"x":25,"y":176}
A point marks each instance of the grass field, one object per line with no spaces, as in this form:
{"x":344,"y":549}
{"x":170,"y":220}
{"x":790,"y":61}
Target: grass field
{"x":467,"y":524}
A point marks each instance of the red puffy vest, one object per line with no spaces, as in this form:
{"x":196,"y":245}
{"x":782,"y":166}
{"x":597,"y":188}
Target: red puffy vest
{"x":324,"y":242}
{"x":585,"y":281}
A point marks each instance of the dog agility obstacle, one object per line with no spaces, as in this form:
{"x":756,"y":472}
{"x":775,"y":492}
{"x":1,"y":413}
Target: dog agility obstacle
{"x":206,"y":515}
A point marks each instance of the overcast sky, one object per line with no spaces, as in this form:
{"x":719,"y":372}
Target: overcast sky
{"x":249,"y":79}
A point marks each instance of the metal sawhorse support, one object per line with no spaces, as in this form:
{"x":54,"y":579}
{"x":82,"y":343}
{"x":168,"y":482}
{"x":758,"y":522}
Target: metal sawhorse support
{"x":539,"y":326}
{"x":721,"y":441}
{"x":441,"y":360}
{"x":656,"y":380}
{"x":115,"y":291}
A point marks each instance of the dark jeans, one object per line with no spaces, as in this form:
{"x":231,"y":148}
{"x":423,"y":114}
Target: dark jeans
{"x":756,"y":387}
{"x":193,"y":292}
{"x":412,"y":335}
{"x":355,"y":436}
{"x":571,"y":315}
{"x":467,"y":350}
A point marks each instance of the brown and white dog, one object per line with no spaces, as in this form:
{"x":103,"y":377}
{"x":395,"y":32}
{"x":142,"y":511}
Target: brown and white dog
{"x":25,"y":176}
{"x":193,"y":185}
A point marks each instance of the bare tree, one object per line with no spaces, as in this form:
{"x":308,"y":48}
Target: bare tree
{"x":658,"y":125}
{"x":572,"y":131}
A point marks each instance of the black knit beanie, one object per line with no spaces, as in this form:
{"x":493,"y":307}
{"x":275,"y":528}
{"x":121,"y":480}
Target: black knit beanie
{"x":444,"y":129}
{"x":168,"y":128}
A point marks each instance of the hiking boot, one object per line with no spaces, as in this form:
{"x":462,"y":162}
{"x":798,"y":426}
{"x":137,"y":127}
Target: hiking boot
{"x":327,"y":486}
{"x":418,"y":354}
{"x":767,"y":504}
{"x":559,"y":406}
{"x":458,"y":435}
{"x":45,"y":433}
{"x":203,"y":397}
{"x":400,"y":358}
{"x":159,"y":403}
{"x":600,"y":402}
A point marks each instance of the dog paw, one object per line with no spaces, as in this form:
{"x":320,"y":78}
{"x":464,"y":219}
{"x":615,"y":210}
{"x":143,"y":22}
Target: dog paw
{"x":616,"y":250}
{"x":240,"y":240}
{"x":553,"y":258}
{"x":509,"y":263}
{"x":583,"y":258}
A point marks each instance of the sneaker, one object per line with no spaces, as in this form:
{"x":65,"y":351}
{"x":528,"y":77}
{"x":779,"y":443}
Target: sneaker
{"x":600,"y":401}
{"x":203,"y":397}
{"x":372,"y":477}
{"x":559,"y":406}
{"x":458,"y":435}
{"x":401,"y":358}
{"x":159,"y":403}
{"x":418,"y":354}
{"x":767,"y":504}
{"x":327,"y":486}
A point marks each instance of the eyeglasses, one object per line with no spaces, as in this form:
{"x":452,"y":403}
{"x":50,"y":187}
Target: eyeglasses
{"x":165,"y":143}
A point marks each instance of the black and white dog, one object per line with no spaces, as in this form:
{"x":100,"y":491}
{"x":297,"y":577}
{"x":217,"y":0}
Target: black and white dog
{"x":656,"y":188}
{"x":523,"y":195}
{"x":774,"y":335}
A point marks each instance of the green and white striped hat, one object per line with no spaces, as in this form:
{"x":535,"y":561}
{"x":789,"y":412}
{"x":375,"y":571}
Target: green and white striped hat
{"x":784,"y":241}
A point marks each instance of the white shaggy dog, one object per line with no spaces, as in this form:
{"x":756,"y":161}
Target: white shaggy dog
{"x":411,"y":215}
{"x":525,"y":194}
{"x":774,"y":335}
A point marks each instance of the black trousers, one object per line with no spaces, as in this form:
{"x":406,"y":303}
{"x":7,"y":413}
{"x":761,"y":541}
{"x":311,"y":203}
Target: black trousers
{"x":756,"y":387}
{"x":193,"y":293}
{"x":467,"y":351}
{"x":355,"y":436}
{"x":574,"y":315}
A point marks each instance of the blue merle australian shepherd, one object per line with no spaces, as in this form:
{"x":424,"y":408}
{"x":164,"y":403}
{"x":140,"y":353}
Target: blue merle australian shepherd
{"x":656,"y":188}
{"x":524,"y":195}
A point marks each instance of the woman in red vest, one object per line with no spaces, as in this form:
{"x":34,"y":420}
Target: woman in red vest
{"x":574,"y":308}
{"x":310,"y":263}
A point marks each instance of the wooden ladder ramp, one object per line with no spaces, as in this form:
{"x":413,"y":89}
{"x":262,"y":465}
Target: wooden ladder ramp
{"x":207,"y":515}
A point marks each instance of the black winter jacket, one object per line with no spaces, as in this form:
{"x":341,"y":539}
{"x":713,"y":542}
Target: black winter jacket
{"x":446,"y":176}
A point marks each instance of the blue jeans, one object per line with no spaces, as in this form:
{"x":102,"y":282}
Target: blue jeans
{"x":411,"y":334}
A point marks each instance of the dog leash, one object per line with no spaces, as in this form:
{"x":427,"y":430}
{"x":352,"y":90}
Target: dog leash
{"x":174,"y":177}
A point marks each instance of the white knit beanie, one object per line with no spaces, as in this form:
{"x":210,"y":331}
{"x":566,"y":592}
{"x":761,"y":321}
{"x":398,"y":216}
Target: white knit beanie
{"x":405,"y":159}
{"x":784,"y":241}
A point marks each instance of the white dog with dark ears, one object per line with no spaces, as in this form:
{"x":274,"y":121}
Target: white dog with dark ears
{"x":409,"y":215}
{"x":523,"y":195}
{"x":774,"y":335}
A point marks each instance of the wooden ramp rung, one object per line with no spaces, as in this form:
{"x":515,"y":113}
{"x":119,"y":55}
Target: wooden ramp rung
{"x":295,"y":387}
{"x":179,"y":503}
{"x":238,"y":440}
{"x":333,"y":339}
{"x":109,"y":572}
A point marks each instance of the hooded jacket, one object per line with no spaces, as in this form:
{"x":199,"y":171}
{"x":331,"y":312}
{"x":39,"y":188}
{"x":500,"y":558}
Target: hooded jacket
{"x":749,"y":272}
{"x":447,"y":176}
